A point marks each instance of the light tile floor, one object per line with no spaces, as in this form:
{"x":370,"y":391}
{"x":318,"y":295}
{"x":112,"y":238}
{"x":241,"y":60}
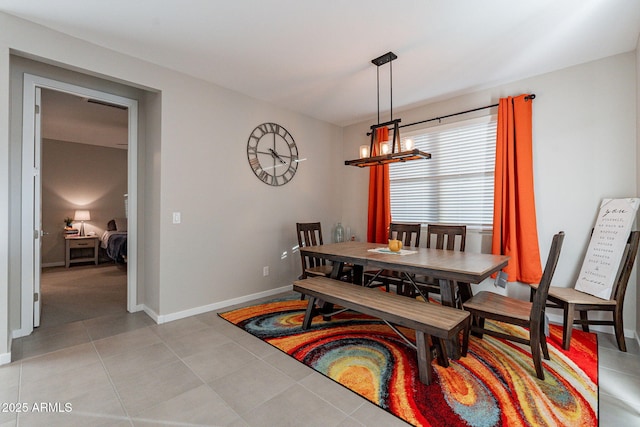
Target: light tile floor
{"x":124,"y":370}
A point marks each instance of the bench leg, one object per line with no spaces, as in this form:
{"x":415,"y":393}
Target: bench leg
{"x":424,"y":357}
{"x":441,"y":351}
{"x":308,"y":315}
{"x":466,"y":330}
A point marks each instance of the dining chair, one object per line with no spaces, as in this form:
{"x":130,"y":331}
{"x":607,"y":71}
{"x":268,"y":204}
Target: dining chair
{"x":310,"y":234}
{"x":571,"y":300}
{"x":447,"y":237}
{"x":488,"y":305}
{"x":409,"y":234}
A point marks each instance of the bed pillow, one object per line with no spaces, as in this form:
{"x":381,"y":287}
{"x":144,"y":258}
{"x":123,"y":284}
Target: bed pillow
{"x":121,"y":224}
{"x":111,"y":225}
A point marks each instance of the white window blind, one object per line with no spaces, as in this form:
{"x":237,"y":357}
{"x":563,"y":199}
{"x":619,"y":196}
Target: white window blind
{"x":456,"y":184}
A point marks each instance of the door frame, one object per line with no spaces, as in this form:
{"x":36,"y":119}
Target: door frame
{"x":31,"y":232}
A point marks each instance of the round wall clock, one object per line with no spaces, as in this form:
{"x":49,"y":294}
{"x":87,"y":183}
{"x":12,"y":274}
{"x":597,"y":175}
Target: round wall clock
{"x":272,"y":154}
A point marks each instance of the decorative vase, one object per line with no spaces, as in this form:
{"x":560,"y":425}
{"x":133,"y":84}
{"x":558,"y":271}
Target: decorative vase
{"x":338,"y":233}
{"x":395,"y":245}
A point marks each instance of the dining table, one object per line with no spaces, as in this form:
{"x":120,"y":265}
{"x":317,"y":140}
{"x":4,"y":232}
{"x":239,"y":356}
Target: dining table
{"x":453,"y":270}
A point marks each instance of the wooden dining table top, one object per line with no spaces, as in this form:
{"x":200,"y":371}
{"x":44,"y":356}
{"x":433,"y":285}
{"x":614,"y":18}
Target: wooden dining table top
{"x":468,"y":267}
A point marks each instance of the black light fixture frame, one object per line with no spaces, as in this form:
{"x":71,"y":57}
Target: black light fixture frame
{"x":393,"y":156}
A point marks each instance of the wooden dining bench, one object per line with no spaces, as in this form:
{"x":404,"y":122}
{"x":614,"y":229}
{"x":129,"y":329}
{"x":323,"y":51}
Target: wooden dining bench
{"x":428,"y":320}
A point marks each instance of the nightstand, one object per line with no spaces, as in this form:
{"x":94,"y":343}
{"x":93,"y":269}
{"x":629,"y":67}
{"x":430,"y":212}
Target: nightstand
{"x":80,"y":249}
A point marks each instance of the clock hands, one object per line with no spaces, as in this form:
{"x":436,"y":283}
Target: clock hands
{"x":276,"y":156}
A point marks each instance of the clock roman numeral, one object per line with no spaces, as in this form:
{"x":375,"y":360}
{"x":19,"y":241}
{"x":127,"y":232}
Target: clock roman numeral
{"x":264,"y":128}
{"x":289,"y":174}
{"x":274,"y":128}
{"x":266,"y":177}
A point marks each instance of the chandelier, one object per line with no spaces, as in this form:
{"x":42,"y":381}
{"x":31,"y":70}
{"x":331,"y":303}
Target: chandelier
{"x":386,"y":152}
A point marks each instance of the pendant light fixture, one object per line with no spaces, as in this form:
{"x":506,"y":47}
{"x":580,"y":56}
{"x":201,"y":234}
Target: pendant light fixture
{"x":386,"y":153}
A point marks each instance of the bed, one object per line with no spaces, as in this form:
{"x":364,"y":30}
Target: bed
{"x":114,"y":240}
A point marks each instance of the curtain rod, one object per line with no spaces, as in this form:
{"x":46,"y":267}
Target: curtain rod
{"x":527,"y":98}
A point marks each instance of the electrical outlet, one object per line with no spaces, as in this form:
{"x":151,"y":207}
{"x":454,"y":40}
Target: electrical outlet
{"x":501,"y":280}
{"x":265,"y":271}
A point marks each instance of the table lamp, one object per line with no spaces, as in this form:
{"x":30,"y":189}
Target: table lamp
{"x":82,"y":216}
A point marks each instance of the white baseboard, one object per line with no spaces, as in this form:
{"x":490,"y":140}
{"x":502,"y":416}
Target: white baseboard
{"x":5,"y":358}
{"x":19,"y":333}
{"x":164,"y":318}
{"x":137,"y":308}
{"x":150,"y":313}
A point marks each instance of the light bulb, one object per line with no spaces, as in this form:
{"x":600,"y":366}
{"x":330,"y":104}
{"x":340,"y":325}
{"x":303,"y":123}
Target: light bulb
{"x":408,"y":144}
{"x":364,"y":151}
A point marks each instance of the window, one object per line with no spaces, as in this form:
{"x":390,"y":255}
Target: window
{"x":456,"y":184}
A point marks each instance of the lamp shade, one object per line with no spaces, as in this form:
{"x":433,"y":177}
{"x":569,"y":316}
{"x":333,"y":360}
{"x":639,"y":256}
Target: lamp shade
{"x":82,"y":215}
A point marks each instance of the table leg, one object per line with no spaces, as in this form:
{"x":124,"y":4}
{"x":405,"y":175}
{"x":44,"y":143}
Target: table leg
{"x":447,"y":292}
{"x":308,"y":315}
{"x":336,"y":271}
{"x":358,"y":271}
{"x":464,"y":290}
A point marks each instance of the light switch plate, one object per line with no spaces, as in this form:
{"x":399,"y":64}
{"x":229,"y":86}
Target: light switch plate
{"x":501,"y":280}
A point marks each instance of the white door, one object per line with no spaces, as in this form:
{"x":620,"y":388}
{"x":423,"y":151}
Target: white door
{"x":31,"y":233}
{"x":37,"y":211}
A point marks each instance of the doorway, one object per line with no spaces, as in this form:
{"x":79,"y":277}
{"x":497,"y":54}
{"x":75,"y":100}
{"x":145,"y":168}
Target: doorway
{"x":84,"y":171}
{"x":33,"y":231}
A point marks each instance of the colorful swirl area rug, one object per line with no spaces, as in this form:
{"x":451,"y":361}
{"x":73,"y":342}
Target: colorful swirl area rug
{"x":494,"y":385}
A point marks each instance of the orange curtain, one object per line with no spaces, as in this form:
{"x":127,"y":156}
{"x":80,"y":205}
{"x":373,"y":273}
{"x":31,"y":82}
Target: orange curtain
{"x":514,"y":213}
{"x":379,"y":196}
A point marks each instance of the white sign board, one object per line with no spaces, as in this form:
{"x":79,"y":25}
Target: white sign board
{"x":607,"y":245}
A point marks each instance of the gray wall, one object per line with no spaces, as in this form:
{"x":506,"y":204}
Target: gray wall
{"x":79,"y":176}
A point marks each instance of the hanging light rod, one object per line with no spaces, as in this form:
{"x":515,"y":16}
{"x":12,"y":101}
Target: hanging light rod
{"x":527,"y":98}
{"x":383,"y":59}
{"x":366,"y":158}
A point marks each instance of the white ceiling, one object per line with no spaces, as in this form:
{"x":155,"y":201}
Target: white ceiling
{"x":314,"y":57}
{"x":70,"y":118}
